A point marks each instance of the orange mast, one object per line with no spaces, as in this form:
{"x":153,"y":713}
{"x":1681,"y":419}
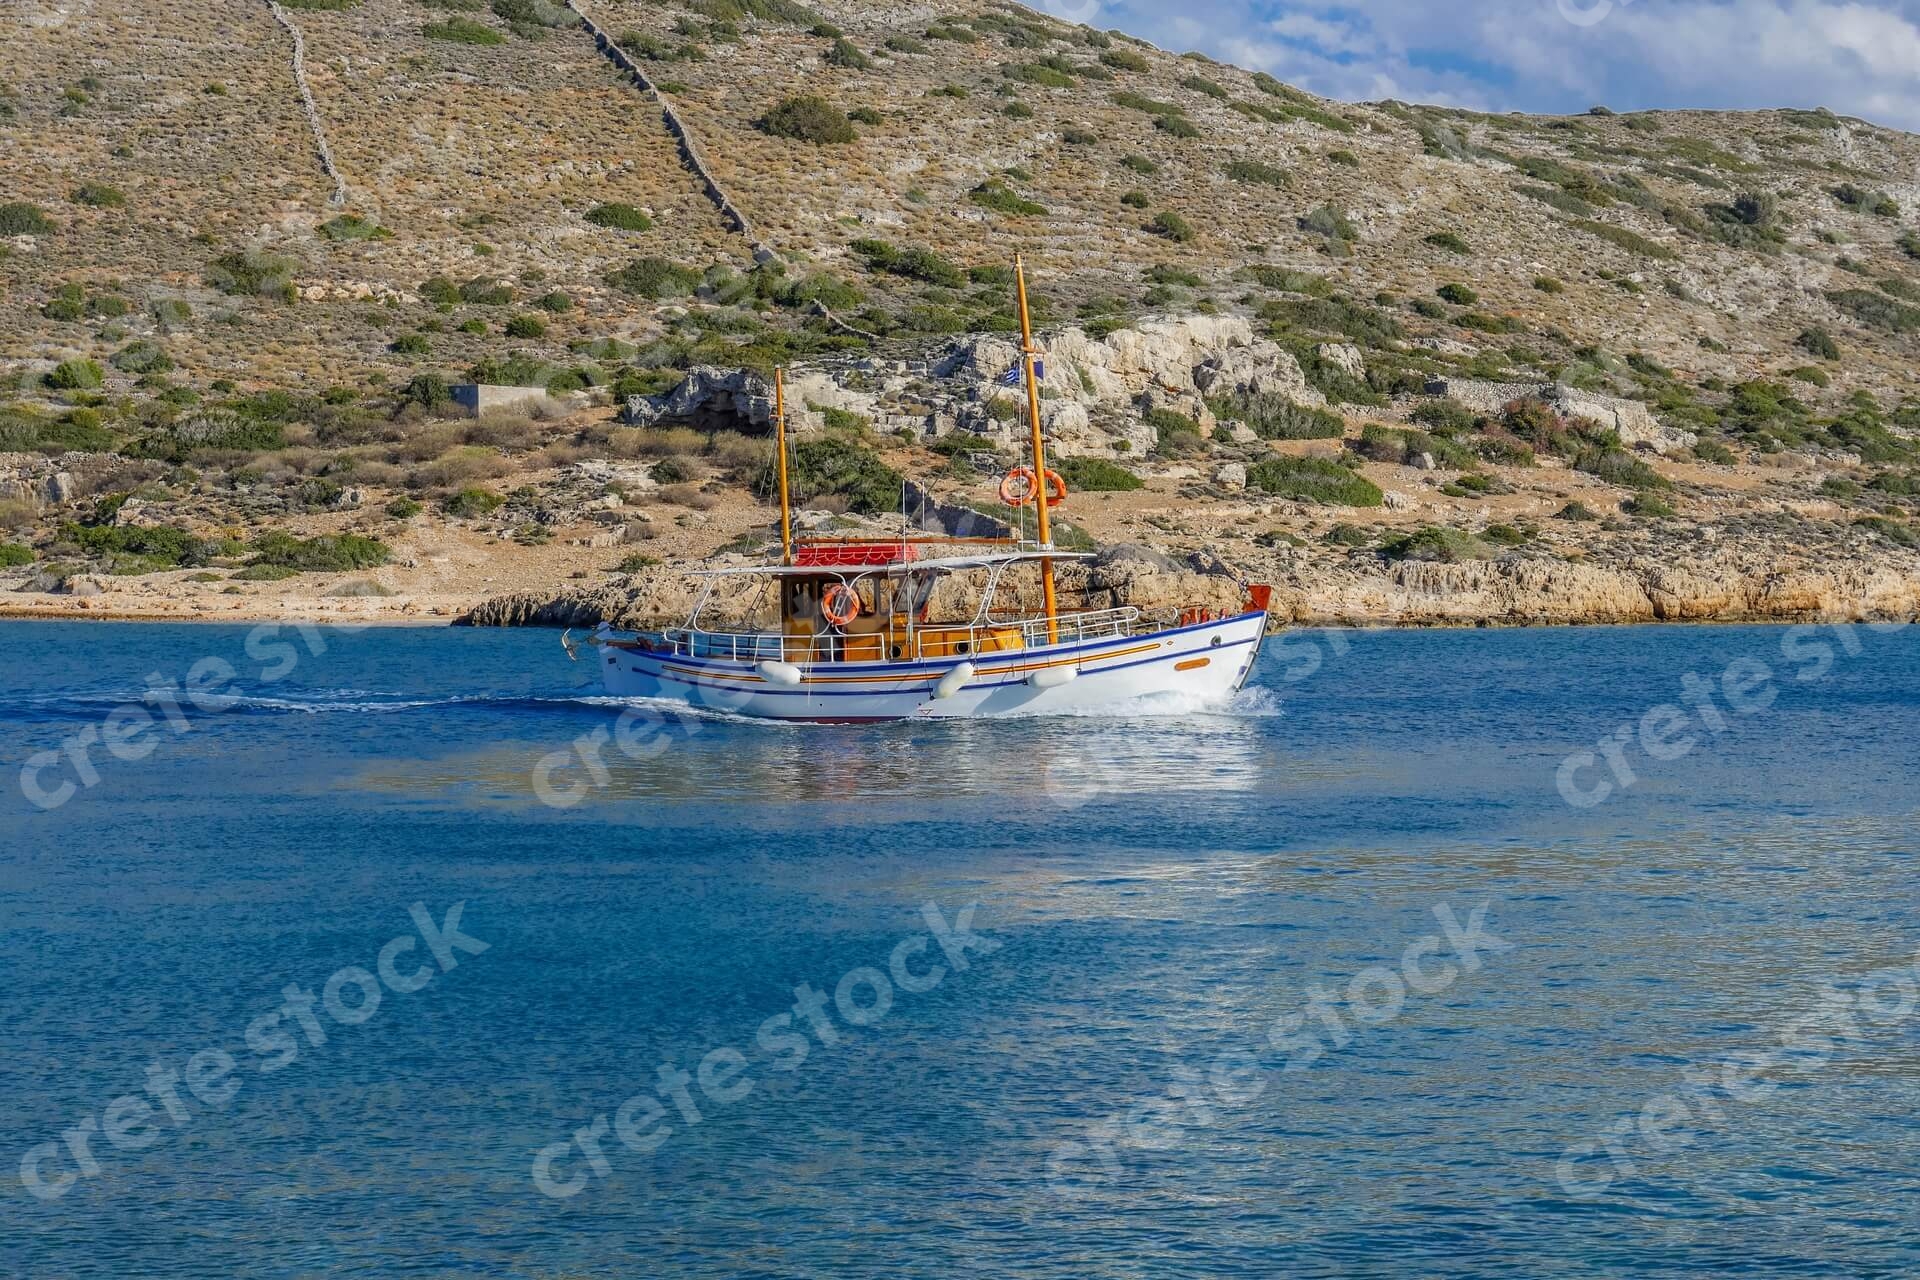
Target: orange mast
{"x":1040,"y":491}
{"x":780,"y":450}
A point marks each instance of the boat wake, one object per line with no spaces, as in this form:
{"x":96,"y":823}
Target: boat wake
{"x":1249,"y":704}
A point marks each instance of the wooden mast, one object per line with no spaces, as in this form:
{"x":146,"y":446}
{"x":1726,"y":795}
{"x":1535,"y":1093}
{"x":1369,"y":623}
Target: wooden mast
{"x":1040,"y":490}
{"x":780,"y":451}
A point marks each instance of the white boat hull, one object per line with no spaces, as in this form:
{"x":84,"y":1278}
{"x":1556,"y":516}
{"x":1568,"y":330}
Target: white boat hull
{"x":1205,"y":662}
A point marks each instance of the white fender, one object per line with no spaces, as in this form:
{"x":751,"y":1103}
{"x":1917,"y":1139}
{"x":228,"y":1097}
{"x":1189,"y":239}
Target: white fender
{"x":784,"y":674}
{"x":1053,"y":677}
{"x":954,"y":681}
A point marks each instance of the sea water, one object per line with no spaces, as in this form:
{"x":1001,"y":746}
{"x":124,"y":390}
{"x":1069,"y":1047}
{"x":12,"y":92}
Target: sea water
{"x":1494,"y":953}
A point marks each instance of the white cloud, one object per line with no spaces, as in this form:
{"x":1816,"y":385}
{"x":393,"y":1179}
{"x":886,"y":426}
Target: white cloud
{"x":1856,"y":56}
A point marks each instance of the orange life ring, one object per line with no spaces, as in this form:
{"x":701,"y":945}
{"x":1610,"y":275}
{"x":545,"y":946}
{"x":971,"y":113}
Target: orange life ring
{"x":1017,"y":489}
{"x":841,"y":604}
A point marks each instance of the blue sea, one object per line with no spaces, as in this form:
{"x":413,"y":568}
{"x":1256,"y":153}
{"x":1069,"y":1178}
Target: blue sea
{"x":394,"y":952}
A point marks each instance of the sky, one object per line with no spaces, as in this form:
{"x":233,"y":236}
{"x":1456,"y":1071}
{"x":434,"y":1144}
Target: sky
{"x":1859,"y":57}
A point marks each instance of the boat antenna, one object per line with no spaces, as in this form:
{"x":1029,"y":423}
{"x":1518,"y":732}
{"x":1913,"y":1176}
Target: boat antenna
{"x":780,"y":449}
{"x":1040,"y":490}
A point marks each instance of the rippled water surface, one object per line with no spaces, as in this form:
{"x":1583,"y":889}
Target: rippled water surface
{"x":1181,"y":903}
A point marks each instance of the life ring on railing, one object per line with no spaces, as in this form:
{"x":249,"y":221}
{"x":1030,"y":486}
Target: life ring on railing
{"x":841,"y":604}
{"x":1019,"y":486}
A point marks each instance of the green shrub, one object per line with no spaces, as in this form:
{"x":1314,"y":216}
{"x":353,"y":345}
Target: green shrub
{"x":404,"y":508}
{"x":1256,"y":173}
{"x":13,"y":555}
{"x":473,"y":502}
{"x":1447,"y":415}
{"x":1136,"y":199}
{"x":485,"y":291}
{"x":99,"y":195}
{"x":1459,"y":295}
{"x":842,"y":54}
{"x":1631,"y":241}
{"x":410,"y":344}
{"x":923,"y":265}
{"x":655,"y":278}
{"x":428,"y":390}
{"x":1349,"y":535}
{"x":1274,"y":417}
{"x":1097,"y":475}
{"x":1893,"y":531}
{"x":344,"y":553}
{"x":1648,"y":506}
{"x":526,"y":327}
{"x":23,"y":219}
{"x":1877,"y":311}
{"x":1200,"y":84}
{"x":1617,"y":466}
{"x":1124,"y":60}
{"x":1177,"y":126}
{"x":997,"y":196}
{"x":1435,"y":545}
{"x":252,"y":273}
{"x":1547,"y":284}
{"x":619,"y":217}
{"x":1749,"y":222}
{"x":134,"y":549}
{"x":1448,"y":241}
{"x":349,"y":226}
{"x":76,"y":375}
{"x":1715,"y":452}
{"x":142,"y":357}
{"x":1877,"y":203}
{"x":265,"y":573}
{"x":458,"y":30}
{"x":1314,"y":480}
{"x":809,"y":118}
{"x":838,"y":465}
{"x":1578,"y":512}
{"x":1142,"y":165}
{"x":1039,"y":74}
{"x":1330,"y":222}
{"x":1172,"y":226}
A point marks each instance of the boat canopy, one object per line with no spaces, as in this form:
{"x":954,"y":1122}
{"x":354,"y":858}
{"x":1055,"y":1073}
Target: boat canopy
{"x":941,"y":564}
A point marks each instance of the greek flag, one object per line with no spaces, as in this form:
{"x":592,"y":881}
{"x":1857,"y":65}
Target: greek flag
{"x":1012,"y":377}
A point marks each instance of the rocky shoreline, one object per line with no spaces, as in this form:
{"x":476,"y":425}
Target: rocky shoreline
{"x":1516,"y":592}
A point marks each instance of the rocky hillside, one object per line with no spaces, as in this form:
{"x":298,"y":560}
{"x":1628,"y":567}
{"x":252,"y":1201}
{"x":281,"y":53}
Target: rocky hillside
{"x":244,"y":247}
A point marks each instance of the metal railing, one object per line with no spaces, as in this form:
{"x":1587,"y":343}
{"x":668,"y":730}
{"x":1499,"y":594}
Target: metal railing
{"x":768,"y":646}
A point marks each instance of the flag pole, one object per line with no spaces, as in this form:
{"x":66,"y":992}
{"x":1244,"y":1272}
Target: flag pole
{"x":780,"y":449}
{"x":1040,"y":490}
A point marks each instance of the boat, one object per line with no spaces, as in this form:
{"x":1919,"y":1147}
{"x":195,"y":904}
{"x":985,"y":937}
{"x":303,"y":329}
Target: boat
{"x":854,"y":635}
